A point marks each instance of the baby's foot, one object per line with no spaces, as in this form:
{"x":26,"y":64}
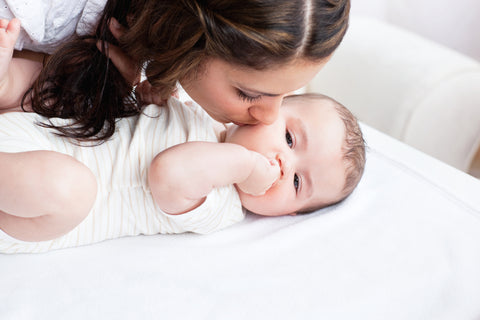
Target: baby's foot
{"x":9,"y":31}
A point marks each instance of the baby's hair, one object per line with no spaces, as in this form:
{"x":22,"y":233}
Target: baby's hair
{"x":353,"y":147}
{"x":172,"y":40}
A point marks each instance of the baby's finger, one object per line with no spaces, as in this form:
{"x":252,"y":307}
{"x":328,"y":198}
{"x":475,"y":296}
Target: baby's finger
{"x":116,"y":28}
{"x":148,"y":95}
{"x":271,"y":174}
{"x":275,"y":167}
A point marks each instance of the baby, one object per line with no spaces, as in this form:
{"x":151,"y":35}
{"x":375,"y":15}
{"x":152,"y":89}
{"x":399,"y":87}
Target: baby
{"x":171,"y":169}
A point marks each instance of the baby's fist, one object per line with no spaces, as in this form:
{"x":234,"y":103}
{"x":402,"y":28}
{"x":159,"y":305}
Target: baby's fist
{"x":264,"y":174}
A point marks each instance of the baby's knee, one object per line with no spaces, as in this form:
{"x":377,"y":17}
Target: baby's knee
{"x":75,"y":189}
{"x":61,"y":190}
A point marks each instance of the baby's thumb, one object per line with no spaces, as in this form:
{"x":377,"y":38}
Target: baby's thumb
{"x":274,"y":169}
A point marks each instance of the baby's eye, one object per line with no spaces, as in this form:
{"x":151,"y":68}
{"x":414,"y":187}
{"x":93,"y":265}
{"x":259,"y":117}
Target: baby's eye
{"x":296,"y":182}
{"x":289,"y":139}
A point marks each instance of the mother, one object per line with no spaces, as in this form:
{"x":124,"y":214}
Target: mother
{"x":236,"y":58}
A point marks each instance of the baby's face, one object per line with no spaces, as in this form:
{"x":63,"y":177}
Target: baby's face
{"x":306,"y":140}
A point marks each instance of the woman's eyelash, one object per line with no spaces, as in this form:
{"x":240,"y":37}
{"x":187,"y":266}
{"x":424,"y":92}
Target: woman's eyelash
{"x":245,"y":97}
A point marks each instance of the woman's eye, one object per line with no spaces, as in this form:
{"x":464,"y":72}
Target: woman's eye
{"x":245,"y":97}
{"x":296,"y":182}
{"x":288,"y":138}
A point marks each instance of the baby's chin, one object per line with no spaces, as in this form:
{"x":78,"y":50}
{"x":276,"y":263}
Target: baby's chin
{"x":261,"y":205}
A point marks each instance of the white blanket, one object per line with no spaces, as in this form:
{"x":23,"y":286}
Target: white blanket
{"x":405,"y":245}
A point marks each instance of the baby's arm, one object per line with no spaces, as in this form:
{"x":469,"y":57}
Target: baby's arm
{"x":17,"y":74}
{"x":182,"y":176}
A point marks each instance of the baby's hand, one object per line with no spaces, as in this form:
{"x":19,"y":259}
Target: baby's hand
{"x":264,"y":174}
{"x":9,"y":31}
{"x":147,"y":94}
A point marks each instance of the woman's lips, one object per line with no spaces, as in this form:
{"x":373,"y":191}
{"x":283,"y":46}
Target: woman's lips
{"x":241,"y":124}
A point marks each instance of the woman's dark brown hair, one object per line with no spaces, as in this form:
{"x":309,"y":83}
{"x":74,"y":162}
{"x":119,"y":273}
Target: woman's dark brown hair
{"x":171,"y":39}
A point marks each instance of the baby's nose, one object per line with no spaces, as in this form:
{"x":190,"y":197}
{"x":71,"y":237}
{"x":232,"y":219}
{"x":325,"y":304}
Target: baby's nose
{"x":285,"y":166}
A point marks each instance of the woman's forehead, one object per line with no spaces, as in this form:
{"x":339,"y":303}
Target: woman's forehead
{"x":277,"y":80}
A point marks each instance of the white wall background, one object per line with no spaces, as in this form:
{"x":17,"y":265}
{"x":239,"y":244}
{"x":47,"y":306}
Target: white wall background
{"x":454,"y":23}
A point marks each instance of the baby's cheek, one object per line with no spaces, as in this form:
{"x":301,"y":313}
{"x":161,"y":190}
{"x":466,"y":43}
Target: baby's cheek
{"x":278,"y":191}
{"x":272,"y":203}
{"x":255,"y":204}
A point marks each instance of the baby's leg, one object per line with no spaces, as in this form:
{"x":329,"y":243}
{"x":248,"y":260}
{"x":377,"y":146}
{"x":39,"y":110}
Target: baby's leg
{"x":43,"y":194}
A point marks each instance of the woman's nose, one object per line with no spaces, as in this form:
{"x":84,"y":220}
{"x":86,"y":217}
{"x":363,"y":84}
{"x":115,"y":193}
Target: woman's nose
{"x":266,"y":112}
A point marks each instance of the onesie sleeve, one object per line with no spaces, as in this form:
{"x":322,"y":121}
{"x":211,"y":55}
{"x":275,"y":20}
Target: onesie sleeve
{"x":221,"y":209}
{"x":19,"y":133}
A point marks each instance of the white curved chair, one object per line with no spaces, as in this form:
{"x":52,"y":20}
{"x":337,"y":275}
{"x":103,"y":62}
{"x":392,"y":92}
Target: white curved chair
{"x":415,"y":90}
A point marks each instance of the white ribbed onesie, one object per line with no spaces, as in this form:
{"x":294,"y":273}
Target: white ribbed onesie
{"x":124,"y":205}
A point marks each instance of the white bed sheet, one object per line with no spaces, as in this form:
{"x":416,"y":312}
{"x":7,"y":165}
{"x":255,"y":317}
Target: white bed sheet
{"x":405,"y":245}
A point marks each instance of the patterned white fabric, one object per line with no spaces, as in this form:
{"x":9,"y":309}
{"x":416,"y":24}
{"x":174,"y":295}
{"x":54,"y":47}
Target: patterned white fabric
{"x":47,"y":23}
{"x":124,"y":205}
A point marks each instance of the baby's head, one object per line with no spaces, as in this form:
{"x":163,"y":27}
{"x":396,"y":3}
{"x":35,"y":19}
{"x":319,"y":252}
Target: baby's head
{"x":320,"y":148}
